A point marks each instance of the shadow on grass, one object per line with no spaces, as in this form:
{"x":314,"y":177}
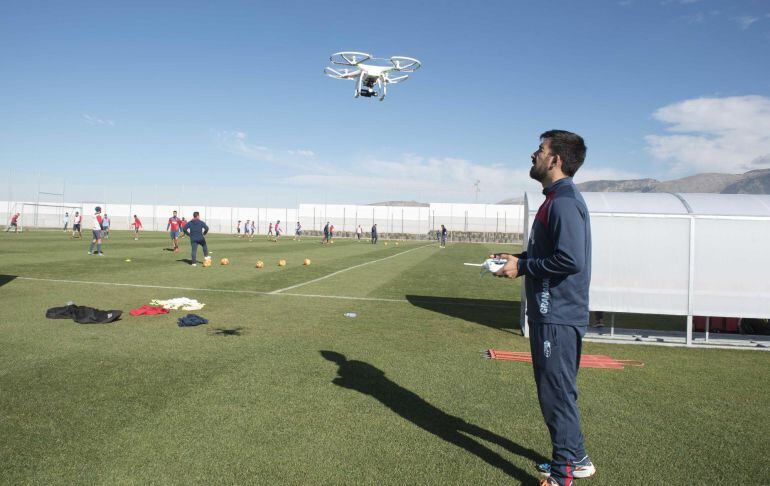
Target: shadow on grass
{"x":220,"y":331}
{"x":369,"y":380}
{"x":186,"y":260}
{"x":497,"y":314}
{"x":4,"y":279}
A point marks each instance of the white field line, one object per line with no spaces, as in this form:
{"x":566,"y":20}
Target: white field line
{"x":347,"y":269}
{"x":257,"y":292}
{"x":142,"y":286}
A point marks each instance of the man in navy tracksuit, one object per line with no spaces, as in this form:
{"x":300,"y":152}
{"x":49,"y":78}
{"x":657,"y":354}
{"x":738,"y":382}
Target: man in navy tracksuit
{"x":196,"y":230}
{"x":557,"y":267}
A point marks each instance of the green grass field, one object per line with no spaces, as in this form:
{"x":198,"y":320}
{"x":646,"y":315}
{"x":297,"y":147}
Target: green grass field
{"x":284,"y":389}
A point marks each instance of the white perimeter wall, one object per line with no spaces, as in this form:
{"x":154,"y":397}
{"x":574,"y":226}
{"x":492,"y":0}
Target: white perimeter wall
{"x":415,"y":220}
{"x":389,"y":219}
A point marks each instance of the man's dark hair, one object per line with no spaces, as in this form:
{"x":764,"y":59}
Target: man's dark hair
{"x":569,"y":146}
{"x":195,"y":214}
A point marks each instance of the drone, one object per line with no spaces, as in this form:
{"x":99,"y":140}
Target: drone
{"x":367,"y":76}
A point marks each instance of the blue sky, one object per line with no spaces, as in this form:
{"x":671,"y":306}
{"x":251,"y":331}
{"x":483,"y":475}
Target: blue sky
{"x":225,"y":102}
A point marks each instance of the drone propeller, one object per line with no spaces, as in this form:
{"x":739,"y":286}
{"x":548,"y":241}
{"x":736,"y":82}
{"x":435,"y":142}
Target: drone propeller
{"x":405,"y":64}
{"x":396,"y":79}
{"x":342,"y":73}
{"x":349,"y":58}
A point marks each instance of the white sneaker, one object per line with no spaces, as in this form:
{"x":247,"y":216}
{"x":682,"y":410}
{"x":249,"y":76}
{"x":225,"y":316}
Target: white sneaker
{"x":582,"y":469}
{"x":194,"y":265}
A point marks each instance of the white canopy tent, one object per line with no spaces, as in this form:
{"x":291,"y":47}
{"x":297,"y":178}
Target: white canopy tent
{"x":676,"y":254}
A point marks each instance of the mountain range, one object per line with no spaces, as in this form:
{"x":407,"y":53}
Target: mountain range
{"x":751,"y":182}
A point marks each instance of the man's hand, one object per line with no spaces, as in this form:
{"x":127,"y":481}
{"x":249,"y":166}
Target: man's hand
{"x":503,"y":256}
{"x":510,"y":269}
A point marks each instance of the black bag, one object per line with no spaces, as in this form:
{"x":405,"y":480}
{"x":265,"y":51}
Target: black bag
{"x":83,"y":314}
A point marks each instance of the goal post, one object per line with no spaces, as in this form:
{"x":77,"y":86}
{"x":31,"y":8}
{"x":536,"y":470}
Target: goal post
{"x":43,"y":215}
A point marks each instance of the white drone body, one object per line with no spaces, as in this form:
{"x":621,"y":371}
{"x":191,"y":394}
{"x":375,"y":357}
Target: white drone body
{"x":367,"y":76}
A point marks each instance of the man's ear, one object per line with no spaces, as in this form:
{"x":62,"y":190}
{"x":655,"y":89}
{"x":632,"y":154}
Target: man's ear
{"x":557,"y":162}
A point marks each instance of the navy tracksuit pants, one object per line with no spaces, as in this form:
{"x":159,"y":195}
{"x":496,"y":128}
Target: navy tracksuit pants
{"x":194,"y":244}
{"x":555,"y":359}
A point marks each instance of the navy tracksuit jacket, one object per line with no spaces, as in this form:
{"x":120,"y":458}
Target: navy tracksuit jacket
{"x":557,"y":271}
{"x":196,"y":230}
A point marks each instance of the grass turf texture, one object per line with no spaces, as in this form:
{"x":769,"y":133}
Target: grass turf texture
{"x":284,"y":388}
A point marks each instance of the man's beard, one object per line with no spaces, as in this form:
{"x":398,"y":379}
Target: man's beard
{"x":539,"y":174}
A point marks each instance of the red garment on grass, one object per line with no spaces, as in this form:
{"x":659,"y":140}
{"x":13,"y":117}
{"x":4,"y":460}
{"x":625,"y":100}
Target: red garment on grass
{"x":148,"y":310}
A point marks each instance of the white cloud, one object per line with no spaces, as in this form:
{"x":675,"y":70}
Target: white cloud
{"x":302,"y":153}
{"x":713,"y":134}
{"x":696,"y":18}
{"x":426,"y":178}
{"x":95,"y":120}
{"x":235,"y":143}
{"x":409,"y":176}
{"x":745,"y":21}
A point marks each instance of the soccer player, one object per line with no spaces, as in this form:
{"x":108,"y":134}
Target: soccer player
{"x":359,"y":232}
{"x":137,"y":226}
{"x":252,"y":230}
{"x":374,"y":234}
{"x":66,"y":221}
{"x":278,"y":230}
{"x":96,"y":232}
{"x":298,"y":232}
{"x":238,"y":229}
{"x":106,"y":226}
{"x":557,"y":271}
{"x":270,"y":229}
{"x":182,"y":224}
{"x":331,"y":233}
{"x":173,"y":226}
{"x":246,"y":226}
{"x":326,"y":234}
{"x":13,"y":224}
{"x":76,"y":222}
{"x":443,"y":236}
{"x":196,"y":230}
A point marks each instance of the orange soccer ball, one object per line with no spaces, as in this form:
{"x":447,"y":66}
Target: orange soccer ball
{"x":260,"y":264}
{"x":224,"y":261}
{"x":207,"y":262}
{"x":281,"y":262}
{"x":306,"y":262}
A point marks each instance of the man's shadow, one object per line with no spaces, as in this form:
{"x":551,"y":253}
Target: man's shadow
{"x":369,"y":380}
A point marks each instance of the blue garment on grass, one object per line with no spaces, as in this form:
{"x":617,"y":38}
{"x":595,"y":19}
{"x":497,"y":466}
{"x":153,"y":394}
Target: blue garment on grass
{"x":191,"y":320}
